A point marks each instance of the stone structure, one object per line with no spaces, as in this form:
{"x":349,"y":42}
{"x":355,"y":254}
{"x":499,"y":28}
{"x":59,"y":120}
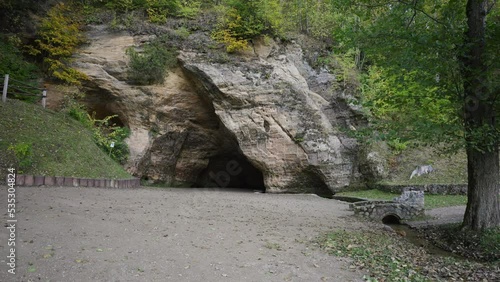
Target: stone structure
{"x":49,"y":181}
{"x":261,"y":120}
{"x":433,"y":189}
{"x":405,"y":207}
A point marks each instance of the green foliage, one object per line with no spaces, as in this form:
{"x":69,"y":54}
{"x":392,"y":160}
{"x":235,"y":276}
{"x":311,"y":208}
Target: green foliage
{"x":123,"y":5}
{"x":242,"y":21}
{"x":151,"y":65}
{"x":490,"y":241}
{"x":189,"y":9}
{"x":60,"y":145}
{"x":414,"y":86}
{"x":58,"y":36}
{"x":24,"y":155}
{"x":103,"y":132}
{"x":111,"y":138}
{"x":23,"y":82}
{"x":397,"y":145}
{"x":13,"y":63}
{"x":158,"y":10}
{"x":77,"y":110}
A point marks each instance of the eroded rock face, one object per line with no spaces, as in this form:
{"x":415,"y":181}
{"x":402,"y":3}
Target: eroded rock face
{"x":266,"y":119}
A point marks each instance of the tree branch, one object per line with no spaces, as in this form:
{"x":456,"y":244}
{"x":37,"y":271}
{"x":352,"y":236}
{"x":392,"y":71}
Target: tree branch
{"x":414,"y":7}
{"x":490,"y":6}
{"x":414,"y":13}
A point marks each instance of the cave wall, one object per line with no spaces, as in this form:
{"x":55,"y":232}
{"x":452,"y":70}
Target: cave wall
{"x":208,"y":119}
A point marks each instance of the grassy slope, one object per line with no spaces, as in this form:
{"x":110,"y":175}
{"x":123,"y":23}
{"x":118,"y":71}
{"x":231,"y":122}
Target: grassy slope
{"x":60,"y":145}
{"x":449,"y":169}
{"x":431,"y":201}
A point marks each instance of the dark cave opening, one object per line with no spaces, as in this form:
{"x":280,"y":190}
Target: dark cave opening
{"x":101,"y":104}
{"x":231,"y":171}
{"x":100,"y":112}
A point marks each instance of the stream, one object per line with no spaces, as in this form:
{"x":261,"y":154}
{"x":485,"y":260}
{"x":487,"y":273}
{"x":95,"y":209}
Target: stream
{"x":410,"y":234}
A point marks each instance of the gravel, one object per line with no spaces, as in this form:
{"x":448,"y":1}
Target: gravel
{"x":159,"y":234}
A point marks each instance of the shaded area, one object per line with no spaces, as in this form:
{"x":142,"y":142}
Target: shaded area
{"x":310,"y":180}
{"x":101,"y":104}
{"x":231,"y":170}
{"x":391,"y":219}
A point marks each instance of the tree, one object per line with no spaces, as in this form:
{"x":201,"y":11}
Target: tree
{"x":58,"y":36}
{"x":481,"y":112}
{"x":434,"y":76}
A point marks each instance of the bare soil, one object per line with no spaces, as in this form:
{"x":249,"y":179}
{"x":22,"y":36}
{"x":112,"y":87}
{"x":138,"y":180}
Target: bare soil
{"x":157,"y":234}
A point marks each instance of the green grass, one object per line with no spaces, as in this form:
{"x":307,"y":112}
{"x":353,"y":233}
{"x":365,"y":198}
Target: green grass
{"x":60,"y":146}
{"x":431,"y":201}
{"x":449,"y":169}
{"x":490,"y":240}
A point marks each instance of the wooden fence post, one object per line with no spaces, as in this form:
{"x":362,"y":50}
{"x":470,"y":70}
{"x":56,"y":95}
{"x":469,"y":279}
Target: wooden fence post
{"x":44,"y":98}
{"x":5,"y":86}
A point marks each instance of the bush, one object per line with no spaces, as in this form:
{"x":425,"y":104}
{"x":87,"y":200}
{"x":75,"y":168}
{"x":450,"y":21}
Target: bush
{"x":103,"y":132}
{"x":24,"y":155}
{"x":24,"y":75}
{"x":57,"y":39}
{"x":244,"y":20}
{"x":12,"y":61}
{"x":111,"y":138}
{"x":151,"y":65}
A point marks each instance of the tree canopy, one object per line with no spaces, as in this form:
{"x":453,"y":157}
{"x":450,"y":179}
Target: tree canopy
{"x":433,"y":76}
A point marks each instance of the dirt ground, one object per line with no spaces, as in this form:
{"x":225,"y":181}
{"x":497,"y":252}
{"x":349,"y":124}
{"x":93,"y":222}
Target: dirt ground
{"x":158,"y":234}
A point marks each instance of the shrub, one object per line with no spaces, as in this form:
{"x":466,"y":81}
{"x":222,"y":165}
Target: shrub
{"x":103,"y":132}
{"x":397,"y":145}
{"x":24,"y":75}
{"x":111,"y":138}
{"x":151,"y":65}
{"x":57,"y":39}
{"x":24,"y":154}
{"x":189,"y":9}
{"x":244,"y":20}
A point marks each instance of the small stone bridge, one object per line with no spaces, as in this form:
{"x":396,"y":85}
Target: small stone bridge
{"x":405,"y":207}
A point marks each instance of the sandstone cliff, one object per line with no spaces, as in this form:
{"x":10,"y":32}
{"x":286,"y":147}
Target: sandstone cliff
{"x":263,"y":120}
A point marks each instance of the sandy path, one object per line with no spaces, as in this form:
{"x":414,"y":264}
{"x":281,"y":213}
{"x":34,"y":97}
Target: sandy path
{"x":152,"y":234}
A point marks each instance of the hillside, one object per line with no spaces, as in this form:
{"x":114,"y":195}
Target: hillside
{"x":59,"y":145}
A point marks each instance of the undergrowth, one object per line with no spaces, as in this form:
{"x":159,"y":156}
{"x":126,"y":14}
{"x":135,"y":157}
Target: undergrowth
{"x":44,"y":142}
{"x":387,"y":257}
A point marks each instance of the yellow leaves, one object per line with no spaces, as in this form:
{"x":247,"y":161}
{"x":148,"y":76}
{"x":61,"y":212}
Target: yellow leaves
{"x":58,"y":37}
{"x":232,"y":43}
{"x":157,"y":15}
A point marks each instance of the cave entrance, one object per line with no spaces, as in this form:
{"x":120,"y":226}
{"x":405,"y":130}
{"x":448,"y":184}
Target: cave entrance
{"x":231,"y":171}
{"x":101,"y":112}
{"x":101,"y":104}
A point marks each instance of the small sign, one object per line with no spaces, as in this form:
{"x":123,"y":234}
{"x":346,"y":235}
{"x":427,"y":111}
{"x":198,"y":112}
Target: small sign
{"x":112,"y":145}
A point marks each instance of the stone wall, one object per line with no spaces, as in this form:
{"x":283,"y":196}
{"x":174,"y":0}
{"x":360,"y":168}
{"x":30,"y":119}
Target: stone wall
{"x":30,"y":180}
{"x":407,"y":206}
{"x":433,"y":189}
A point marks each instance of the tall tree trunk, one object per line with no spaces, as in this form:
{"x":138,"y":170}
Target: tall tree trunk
{"x":483,"y":205}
